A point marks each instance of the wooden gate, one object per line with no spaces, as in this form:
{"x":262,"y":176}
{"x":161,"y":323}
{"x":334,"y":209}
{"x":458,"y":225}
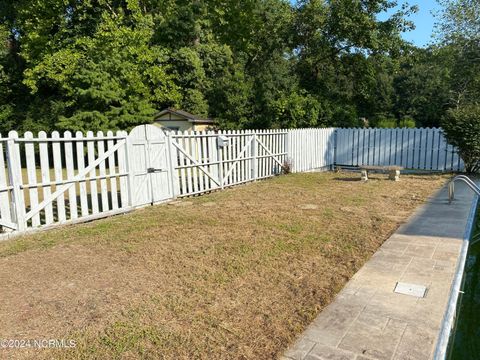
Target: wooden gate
{"x":207,"y":161}
{"x":151,"y":167}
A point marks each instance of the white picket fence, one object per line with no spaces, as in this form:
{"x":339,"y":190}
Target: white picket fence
{"x":418,"y":149}
{"x":48,"y":180}
{"x":56,"y":179}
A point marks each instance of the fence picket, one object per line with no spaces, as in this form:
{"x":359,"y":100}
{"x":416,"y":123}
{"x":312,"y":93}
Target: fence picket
{"x":103,"y":172}
{"x":45,"y":171}
{"x":227,"y":158}
{"x":211,"y":158}
{"x":241,"y":162}
{"x":221,"y":157}
{"x":183,"y":170}
{"x":31,"y":176}
{"x":81,"y":166}
{"x":237,"y":150}
{"x":122,"y":169}
{"x":93,"y":172}
{"x":58,"y":172}
{"x":276,"y":167}
{"x":112,"y":171}
{"x":379,"y":147}
{"x":198,"y":150}
{"x":70,"y":165}
{"x":193,"y":169}
{"x":269,"y":145}
{"x":205,"y":160}
{"x":190,"y":172}
{"x":247,"y":173}
{"x":264,"y":140}
{"x":15,"y":174}
{"x":435,"y":149}
{"x":5,"y":211}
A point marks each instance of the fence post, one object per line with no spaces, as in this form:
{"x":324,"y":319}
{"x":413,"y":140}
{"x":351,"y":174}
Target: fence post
{"x":254,"y":156}
{"x":15,"y":174}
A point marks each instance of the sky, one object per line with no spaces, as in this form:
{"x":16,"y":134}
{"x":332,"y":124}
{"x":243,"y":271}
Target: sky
{"x":423,"y":19}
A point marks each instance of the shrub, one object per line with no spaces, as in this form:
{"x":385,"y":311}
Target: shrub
{"x":346,"y":116}
{"x":406,"y":122}
{"x":387,"y":121}
{"x":384,"y":122}
{"x":461,"y":127}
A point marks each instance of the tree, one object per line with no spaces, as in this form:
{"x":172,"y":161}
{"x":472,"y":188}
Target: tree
{"x":461,"y":127}
{"x":459,"y":29}
{"x":460,"y":32}
{"x":108,"y":64}
{"x":459,"y":21}
{"x":339,"y":46}
{"x":422,"y":85}
{"x":112,"y":80}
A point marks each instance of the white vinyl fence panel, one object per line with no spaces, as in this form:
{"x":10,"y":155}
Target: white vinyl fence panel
{"x":311,"y":149}
{"x":419,"y":149}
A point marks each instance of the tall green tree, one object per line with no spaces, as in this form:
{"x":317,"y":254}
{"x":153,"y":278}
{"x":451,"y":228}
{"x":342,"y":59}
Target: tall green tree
{"x":114,"y":79}
{"x":460,"y":32}
{"x":459,"y":29}
{"x":108,"y":64}
{"x":335,"y":40}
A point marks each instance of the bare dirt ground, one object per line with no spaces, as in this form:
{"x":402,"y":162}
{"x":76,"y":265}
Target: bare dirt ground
{"x":233,"y":274}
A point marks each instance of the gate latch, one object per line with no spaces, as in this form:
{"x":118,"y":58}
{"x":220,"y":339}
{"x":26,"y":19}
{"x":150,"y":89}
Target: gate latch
{"x":153,"y":170}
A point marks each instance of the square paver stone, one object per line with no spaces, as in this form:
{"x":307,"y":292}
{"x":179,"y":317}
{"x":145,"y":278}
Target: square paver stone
{"x":371,"y":341}
{"x":416,"y":343}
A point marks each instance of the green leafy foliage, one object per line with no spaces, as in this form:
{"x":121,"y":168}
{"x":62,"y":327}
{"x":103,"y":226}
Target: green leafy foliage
{"x":460,"y":36}
{"x":462,"y":126}
{"x":112,"y":64}
{"x":113,"y":79}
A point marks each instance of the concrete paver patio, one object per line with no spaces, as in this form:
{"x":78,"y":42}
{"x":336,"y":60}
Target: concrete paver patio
{"x":368,"y":320}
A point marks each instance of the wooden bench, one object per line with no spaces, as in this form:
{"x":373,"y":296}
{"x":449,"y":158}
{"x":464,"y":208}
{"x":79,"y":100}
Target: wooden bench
{"x":393,"y":171}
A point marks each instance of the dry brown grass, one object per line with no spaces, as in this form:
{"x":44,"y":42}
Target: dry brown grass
{"x":233,"y":274}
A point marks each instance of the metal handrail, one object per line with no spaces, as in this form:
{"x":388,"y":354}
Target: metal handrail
{"x":466,"y":180}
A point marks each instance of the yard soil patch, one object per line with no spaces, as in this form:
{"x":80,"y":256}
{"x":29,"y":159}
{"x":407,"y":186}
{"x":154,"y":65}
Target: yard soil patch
{"x":236,"y":274}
